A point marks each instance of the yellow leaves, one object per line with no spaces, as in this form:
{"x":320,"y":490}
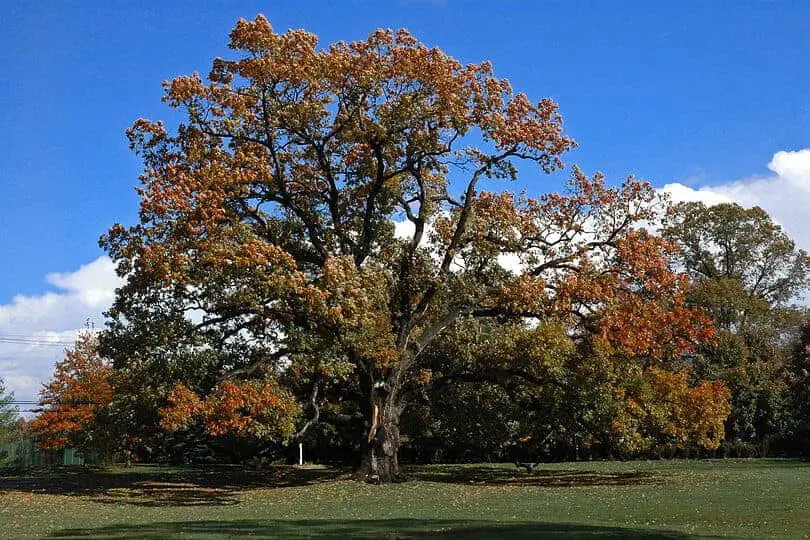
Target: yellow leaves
{"x":144,"y":127}
{"x":693,"y":415}
{"x":423,"y":377}
{"x":356,"y":307}
{"x":496,"y":221}
{"x":353,"y":295}
{"x":183,"y":89}
{"x":256,"y":35}
{"x":662,"y":407}
{"x":288,"y":56}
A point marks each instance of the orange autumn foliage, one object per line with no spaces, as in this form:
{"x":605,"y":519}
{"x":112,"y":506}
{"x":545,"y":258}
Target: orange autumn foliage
{"x":79,"y":390}
{"x":259,"y":409}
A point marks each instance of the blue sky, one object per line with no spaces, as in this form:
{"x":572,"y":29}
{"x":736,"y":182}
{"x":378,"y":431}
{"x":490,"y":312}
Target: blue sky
{"x":700,"y":93}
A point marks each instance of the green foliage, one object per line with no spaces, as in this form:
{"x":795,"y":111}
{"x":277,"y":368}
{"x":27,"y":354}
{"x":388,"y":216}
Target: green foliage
{"x":749,"y":261}
{"x":799,"y":384}
{"x":745,"y":272}
{"x":9,"y":423}
{"x":515,"y":392}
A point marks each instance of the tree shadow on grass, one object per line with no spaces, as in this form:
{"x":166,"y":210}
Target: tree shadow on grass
{"x":500,"y":476}
{"x":155,"y":486}
{"x":399,"y":528}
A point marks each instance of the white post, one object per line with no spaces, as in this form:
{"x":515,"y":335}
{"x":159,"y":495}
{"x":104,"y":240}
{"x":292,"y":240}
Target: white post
{"x":300,"y":453}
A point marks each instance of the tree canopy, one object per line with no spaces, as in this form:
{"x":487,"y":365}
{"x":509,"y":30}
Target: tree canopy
{"x":76,"y":399}
{"x":268,"y":249}
{"x":746,"y":273}
{"x":9,"y":418}
{"x":738,"y":255}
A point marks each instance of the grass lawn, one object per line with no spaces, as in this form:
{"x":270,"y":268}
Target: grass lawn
{"x":668,"y":499}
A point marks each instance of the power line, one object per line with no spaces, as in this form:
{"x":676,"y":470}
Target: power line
{"x":32,"y":340}
{"x":16,"y":341}
{"x":37,"y":335}
{"x":45,"y":340}
{"x":35,"y":339}
{"x":54,"y":404}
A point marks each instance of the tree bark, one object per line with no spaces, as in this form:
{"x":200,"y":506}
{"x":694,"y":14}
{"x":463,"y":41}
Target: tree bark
{"x":380,"y":464}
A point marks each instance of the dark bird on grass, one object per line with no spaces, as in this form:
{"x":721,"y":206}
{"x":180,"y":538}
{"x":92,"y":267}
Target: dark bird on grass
{"x":528,"y":466}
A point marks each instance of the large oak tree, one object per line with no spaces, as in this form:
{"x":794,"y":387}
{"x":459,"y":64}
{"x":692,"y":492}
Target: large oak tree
{"x":268,"y":227}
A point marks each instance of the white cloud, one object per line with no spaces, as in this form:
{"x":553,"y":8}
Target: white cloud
{"x":511,"y":262}
{"x":404,"y":229}
{"x":93,"y":283}
{"x":793,"y":166}
{"x":683,"y":193}
{"x":49,"y":321}
{"x":785,"y":195}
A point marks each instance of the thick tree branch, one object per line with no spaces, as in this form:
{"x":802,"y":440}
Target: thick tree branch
{"x":252,"y":367}
{"x":316,"y":411}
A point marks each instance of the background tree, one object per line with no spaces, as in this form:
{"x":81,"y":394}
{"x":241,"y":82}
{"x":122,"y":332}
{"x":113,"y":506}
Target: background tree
{"x":799,"y":384}
{"x":743,"y":264}
{"x":267,"y":223}
{"x":9,"y":423}
{"x":746,"y":272}
{"x":515,"y":392}
{"x":76,"y":402}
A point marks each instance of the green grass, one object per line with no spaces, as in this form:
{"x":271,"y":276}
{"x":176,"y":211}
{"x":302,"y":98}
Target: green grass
{"x":668,"y":499}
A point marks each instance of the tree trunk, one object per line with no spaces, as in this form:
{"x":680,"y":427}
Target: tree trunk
{"x":380,"y":463}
